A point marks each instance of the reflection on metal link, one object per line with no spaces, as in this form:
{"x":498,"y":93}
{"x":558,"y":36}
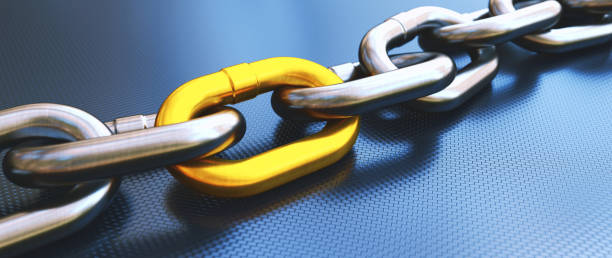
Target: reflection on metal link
{"x":235,"y":178}
{"x":498,"y":29}
{"x":134,"y":149}
{"x":131,"y":123}
{"x":468,"y":82}
{"x":398,"y":30}
{"x":559,"y":39}
{"x":29,"y":229}
{"x":403,"y":27}
{"x":432,"y":73}
{"x":353,"y":71}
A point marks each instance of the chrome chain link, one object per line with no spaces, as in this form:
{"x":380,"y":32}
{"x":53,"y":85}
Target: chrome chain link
{"x":429,"y":81}
{"x":133,"y":147}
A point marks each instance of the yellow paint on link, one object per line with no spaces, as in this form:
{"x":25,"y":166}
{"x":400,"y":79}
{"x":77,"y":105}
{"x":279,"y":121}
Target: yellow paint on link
{"x":237,"y":178}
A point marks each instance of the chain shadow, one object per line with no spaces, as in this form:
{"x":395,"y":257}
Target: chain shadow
{"x":209,"y":216}
{"x":531,"y":66}
{"x":419,"y":132}
{"x":205,"y":218}
{"x":27,"y":199}
{"x":423,"y":131}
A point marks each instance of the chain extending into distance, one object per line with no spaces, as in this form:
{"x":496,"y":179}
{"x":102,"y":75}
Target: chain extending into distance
{"x":192,"y":123}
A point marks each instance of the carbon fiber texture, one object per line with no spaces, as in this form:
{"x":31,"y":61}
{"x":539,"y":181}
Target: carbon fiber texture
{"x":523,"y":169}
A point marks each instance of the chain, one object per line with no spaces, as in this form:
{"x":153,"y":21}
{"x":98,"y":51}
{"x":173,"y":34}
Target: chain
{"x":192,"y":124}
{"x":104,"y":157}
{"x":84,"y":202}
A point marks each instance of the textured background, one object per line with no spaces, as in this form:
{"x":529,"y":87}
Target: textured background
{"x":524,"y":168}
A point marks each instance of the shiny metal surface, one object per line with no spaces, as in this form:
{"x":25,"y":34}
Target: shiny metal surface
{"x":104,"y":157}
{"x":29,"y":229}
{"x":262,"y":172}
{"x":403,"y":27}
{"x":559,"y":39}
{"x":501,"y":28}
{"x":131,"y":123}
{"x":353,"y":71}
{"x":398,"y":30}
{"x":468,"y":82}
{"x":431,"y":73}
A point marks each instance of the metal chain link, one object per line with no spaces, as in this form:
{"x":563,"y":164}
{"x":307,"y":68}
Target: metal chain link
{"x":30,"y":229}
{"x":559,"y":39}
{"x":431,"y":73}
{"x":104,"y":157}
{"x":428,"y":81}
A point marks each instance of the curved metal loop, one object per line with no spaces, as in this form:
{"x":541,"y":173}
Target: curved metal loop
{"x":469,"y":80}
{"x":104,"y":157}
{"x":557,"y":40}
{"x":432,"y":73}
{"x":27,"y":230}
{"x":402,"y":28}
{"x":235,"y":178}
{"x":354,"y":71}
{"x":501,"y":28}
{"x":398,"y":30}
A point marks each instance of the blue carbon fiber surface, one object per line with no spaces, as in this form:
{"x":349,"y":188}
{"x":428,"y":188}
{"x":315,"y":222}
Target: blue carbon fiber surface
{"x":523,"y":169}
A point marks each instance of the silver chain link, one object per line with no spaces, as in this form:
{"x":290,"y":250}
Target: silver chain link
{"x":29,"y":229}
{"x":104,"y":157}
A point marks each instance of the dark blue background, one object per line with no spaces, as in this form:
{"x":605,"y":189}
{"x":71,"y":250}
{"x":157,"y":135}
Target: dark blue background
{"x":524,"y":168}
